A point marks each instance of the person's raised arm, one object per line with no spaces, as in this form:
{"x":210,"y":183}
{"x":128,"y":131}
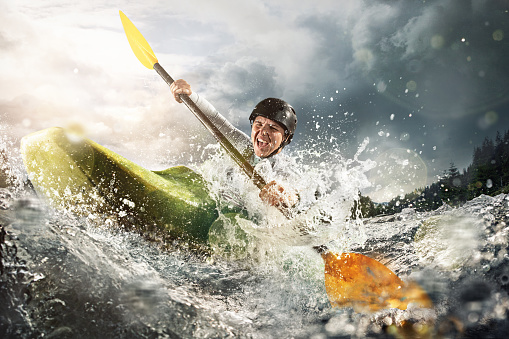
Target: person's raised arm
{"x":238,"y":138}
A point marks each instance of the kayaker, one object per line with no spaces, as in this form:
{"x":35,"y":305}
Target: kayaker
{"x":273,"y":123}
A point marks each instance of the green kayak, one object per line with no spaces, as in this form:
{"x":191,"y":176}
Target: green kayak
{"x":81,"y":176}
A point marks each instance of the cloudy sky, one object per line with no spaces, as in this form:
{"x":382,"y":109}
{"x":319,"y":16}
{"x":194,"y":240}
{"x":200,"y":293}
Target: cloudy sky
{"x":425,"y":81}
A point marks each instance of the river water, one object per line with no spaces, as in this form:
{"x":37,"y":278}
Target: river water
{"x":64,"y":276}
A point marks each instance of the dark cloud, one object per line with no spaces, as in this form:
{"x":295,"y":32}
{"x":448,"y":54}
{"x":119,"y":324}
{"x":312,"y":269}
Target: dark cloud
{"x":428,"y":76}
{"x":447,"y":55}
{"x":241,"y":81}
{"x":441,"y":56}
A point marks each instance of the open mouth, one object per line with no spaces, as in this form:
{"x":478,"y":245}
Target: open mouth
{"x":260,"y":143}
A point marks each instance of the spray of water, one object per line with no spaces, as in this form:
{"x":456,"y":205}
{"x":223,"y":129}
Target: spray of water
{"x":264,"y":235}
{"x":12,"y":173}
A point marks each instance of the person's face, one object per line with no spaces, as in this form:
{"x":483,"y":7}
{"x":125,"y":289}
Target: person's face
{"x":266,"y":135}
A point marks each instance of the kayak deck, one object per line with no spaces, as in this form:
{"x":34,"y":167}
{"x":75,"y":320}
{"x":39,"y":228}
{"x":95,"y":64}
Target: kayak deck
{"x":81,"y":176}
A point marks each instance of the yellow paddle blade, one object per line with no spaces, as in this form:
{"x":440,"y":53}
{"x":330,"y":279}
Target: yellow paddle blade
{"x":354,"y":280}
{"x":138,"y":43}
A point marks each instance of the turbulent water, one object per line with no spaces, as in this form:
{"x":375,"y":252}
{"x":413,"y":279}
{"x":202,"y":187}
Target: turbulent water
{"x":68,"y":277}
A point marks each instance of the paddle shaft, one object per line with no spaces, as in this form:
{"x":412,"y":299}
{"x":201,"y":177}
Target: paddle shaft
{"x":220,"y":137}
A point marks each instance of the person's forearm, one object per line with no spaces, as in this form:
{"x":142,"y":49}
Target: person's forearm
{"x":239,"y":139}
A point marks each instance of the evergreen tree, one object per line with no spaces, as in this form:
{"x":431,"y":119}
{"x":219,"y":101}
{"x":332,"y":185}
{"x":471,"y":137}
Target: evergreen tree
{"x":452,"y":188}
{"x":488,"y":174}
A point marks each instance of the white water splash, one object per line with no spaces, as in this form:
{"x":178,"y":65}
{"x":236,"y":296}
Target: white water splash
{"x":94,"y":281}
{"x":327,"y":221}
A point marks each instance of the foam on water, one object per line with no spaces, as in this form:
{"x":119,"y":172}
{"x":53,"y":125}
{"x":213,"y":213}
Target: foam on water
{"x":278,"y":244}
{"x":65,"y":276}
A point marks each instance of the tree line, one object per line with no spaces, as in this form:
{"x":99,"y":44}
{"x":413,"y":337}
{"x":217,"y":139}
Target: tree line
{"x":488,"y":174}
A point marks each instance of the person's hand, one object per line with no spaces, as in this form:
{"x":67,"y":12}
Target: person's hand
{"x":276,"y":195}
{"x":180,"y":86}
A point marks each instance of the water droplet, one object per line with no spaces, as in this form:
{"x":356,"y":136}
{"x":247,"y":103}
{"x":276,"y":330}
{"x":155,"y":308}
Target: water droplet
{"x":404,"y":137}
{"x":498,"y":35}
{"x":473,"y":317}
{"x":26,"y":122}
{"x":504,"y":279}
{"x":437,"y":41}
{"x":489,"y":183}
{"x":411,"y":86}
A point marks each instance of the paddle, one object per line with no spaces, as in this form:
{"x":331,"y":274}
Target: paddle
{"x":351,"y":279}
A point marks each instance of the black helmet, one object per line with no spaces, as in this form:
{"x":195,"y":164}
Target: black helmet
{"x":279,"y":111}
